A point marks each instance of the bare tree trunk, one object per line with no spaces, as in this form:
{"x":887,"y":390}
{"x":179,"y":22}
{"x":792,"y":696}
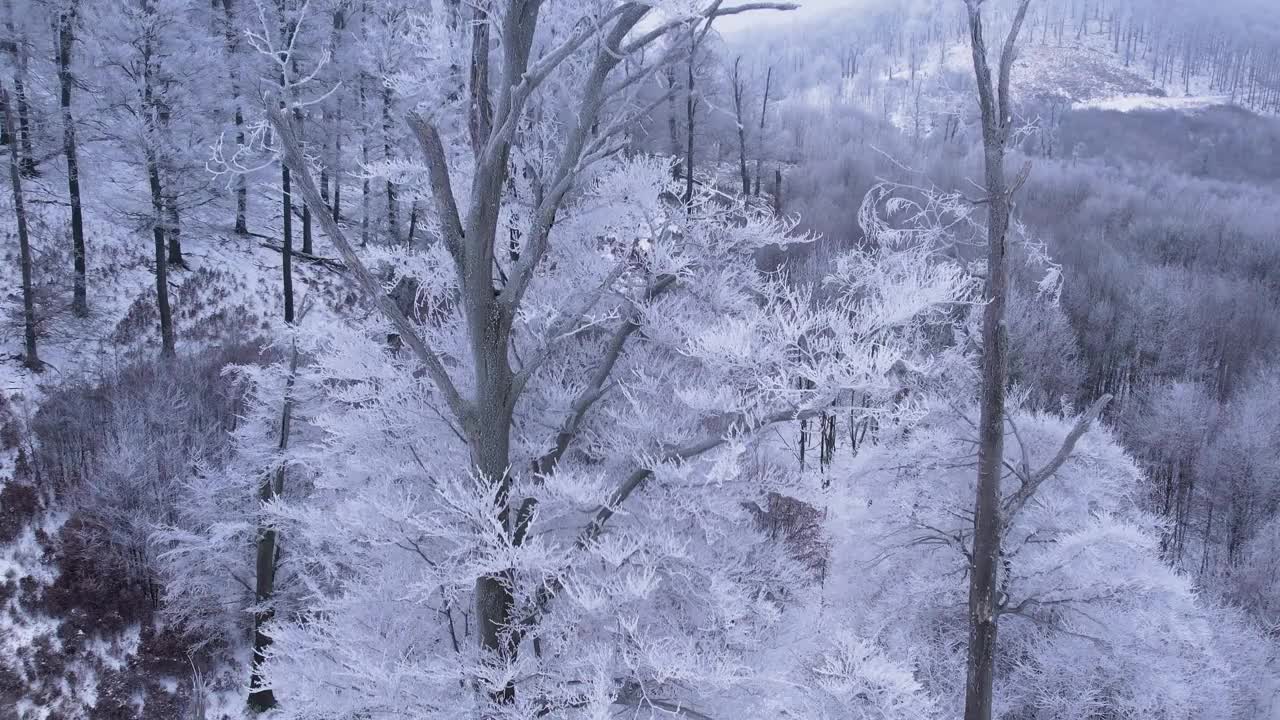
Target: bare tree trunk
{"x":286,"y":262}
{"x":174,"y":227}
{"x":287,"y":30}
{"x":151,"y":112}
{"x":173,"y":221}
{"x":268,"y":555}
{"x":22,"y":134}
{"x":364,"y":160}
{"x":66,"y":38}
{"x":32,"y":360}
{"x":162,"y":264}
{"x":480,"y":116}
{"x":233,"y":49}
{"x":984,"y":586}
{"x":691,"y":107}
{"x":742,"y":132}
{"x":393,"y":214}
{"x":306,"y":211}
{"x":764,"y":113}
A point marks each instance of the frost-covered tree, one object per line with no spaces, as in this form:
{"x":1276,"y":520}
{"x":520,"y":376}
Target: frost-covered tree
{"x":527,"y":485}
{"x":1092,"y":620}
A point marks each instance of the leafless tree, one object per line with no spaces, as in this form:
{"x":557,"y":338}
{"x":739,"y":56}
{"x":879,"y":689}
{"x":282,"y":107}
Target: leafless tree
{"x":471,"y":239}
{"x":66,"y":39}
{"x":738,"y":91}
{"x":997,"y":118}
{"x":32,"y":359}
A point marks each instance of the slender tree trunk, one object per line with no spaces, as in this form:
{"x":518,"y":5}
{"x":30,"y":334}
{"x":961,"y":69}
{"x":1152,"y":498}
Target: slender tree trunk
{"x":764,"y":113}
{"x":32,"y":360}
{"x":742,"y":131}
{"x":174,"y":227}
{"x":162,"y":264}
{"x":262,"y":698}
{"x":286,"y":262}
{"x":19,"y":102}
{"x":306,"y":211}
{"x":173,"y":220}
{"x":413,"y":223}
{"x":393,"y":220}
{"x":690,"y":111}
{"x":151,"y":113}
{"x":672,"y":122}
{"x":365,"y":188}
{"x":986,"y":558}
{"x":233,"y":52}
{"x":66,"y":38}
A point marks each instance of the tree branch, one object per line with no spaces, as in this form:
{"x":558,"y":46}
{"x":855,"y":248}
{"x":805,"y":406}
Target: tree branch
{"x":291,"y":155}
{"x":441,"y":185}
{"x":1015,"y":502}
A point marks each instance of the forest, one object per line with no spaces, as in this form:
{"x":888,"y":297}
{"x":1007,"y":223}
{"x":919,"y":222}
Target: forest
{"x":709,"y":359}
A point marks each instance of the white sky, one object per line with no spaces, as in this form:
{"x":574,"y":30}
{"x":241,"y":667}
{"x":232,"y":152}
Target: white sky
{"x":763,"y":18}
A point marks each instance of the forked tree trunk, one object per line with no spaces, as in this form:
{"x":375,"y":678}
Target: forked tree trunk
{"x":983,"y":581}
{"x":66,"y":39}
{"x":32,"y":359}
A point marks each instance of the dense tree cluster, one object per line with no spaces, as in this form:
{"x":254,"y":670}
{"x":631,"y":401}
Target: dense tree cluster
{"x":523,"y":359}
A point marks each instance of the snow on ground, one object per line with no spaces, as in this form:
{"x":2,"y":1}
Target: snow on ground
{"x":229,"y":290}
{"x":1083,"y":73}
{"x":1132,"y":103}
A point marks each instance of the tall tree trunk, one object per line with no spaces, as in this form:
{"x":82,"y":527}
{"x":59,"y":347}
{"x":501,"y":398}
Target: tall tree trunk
{"x":286,"y":261}
{"x":365,"y":189}
{"x":742,"y":129}
{"x":162,"y":265}
{"x":262,"y":698}
{"x":672,"y":122}
{"x":174,"y":227}
{"x":691,"y":107}
{"x":480,"y":116}
{"x":764,"y":113}
{"x":18,"y":50}
{"x":393,"y":219}
{"x":174,"y":224}
{"x":32,"y":359}
{"x":306,"y":211}
{"x":233,"y":50}
{"x":995,"y":104}
{"x":66,"y":38}
{"x":151,"y":114}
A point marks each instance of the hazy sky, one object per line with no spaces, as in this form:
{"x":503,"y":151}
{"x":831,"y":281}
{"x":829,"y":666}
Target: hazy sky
{"x":808,"y":9}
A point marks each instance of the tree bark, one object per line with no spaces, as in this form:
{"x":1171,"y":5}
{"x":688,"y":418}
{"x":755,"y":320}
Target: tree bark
{"x":987,"y":528}
{"x":151,"y":113}
{"x":66,"y":38}
{"x":22,"y":133}
{"x":764,"y":113}
{"x":262,"y":698}
{"x":242,"y":181}
{"x":691,"y":107}
{"x":286,"y":255}
{"x":32,"y":359}
{"x":742,"y":131}
{"x":393,"y":219}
